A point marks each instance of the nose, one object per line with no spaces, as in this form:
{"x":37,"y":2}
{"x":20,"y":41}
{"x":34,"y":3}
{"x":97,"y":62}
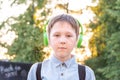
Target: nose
{"x":63,"y":40}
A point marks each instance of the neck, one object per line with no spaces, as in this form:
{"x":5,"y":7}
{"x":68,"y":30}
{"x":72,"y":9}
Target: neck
{"x":63,"y":59}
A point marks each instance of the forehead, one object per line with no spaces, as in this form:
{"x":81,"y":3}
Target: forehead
{"x":62,"y":26}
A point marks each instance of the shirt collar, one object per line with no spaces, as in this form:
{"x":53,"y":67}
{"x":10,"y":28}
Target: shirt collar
{"x":57,"y":62}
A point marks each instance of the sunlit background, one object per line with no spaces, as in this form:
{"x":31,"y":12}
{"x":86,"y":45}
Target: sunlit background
{"x":85,"y":16}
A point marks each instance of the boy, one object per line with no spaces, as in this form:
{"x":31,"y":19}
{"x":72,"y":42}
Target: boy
{"x":63,"y":32}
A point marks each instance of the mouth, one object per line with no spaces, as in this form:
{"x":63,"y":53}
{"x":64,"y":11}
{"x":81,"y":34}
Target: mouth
{"x":62,"y":48}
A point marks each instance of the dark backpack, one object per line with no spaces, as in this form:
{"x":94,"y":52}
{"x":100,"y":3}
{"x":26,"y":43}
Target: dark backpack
{"x":81,"y":72}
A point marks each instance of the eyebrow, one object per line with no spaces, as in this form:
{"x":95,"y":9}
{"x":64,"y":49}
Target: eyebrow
{"x":65,"y":33}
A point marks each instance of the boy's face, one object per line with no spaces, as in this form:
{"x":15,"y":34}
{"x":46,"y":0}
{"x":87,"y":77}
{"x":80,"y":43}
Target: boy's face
{"x":62,"y":39}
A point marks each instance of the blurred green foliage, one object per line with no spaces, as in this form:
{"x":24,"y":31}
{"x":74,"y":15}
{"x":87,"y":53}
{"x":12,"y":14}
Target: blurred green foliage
{"x":105,"y":43}
{"x":28,"y":46}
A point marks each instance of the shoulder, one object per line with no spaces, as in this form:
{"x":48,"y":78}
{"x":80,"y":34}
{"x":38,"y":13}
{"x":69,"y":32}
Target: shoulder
{"x":88,"y":69}
{"x":46,"y":62}
{"x":89,"y":73}
{"x":34,"y":66}
{"x":32,"y":72}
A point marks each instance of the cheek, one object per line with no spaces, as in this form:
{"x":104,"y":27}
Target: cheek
{"x":73,"y":42}
{"x":52,"y":41}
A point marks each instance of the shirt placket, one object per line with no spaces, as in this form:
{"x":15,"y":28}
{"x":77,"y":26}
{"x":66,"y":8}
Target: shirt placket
{"x":62,"y":71}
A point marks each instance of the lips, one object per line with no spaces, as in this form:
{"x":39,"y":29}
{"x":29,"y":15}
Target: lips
{"x":62,"y":48}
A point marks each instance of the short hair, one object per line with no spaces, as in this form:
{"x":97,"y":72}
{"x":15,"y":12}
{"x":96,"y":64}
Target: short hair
{"x":64,"y":17}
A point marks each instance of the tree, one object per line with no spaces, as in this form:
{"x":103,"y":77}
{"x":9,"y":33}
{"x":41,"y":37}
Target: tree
{"x":29,"y":42}
{"x":105,"y":42}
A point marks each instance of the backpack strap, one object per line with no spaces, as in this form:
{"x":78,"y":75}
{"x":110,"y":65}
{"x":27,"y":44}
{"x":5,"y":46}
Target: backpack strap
{"x":81,"y":72}
{"x":38,"y":71}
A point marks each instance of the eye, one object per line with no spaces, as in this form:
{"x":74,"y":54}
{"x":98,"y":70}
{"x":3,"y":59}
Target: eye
{"x":56,"y":35}
{"x":68,"y":35}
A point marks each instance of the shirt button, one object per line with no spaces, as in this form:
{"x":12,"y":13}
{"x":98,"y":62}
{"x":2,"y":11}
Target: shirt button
{"x":61,"y":74}
{"x":63,"y":64}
